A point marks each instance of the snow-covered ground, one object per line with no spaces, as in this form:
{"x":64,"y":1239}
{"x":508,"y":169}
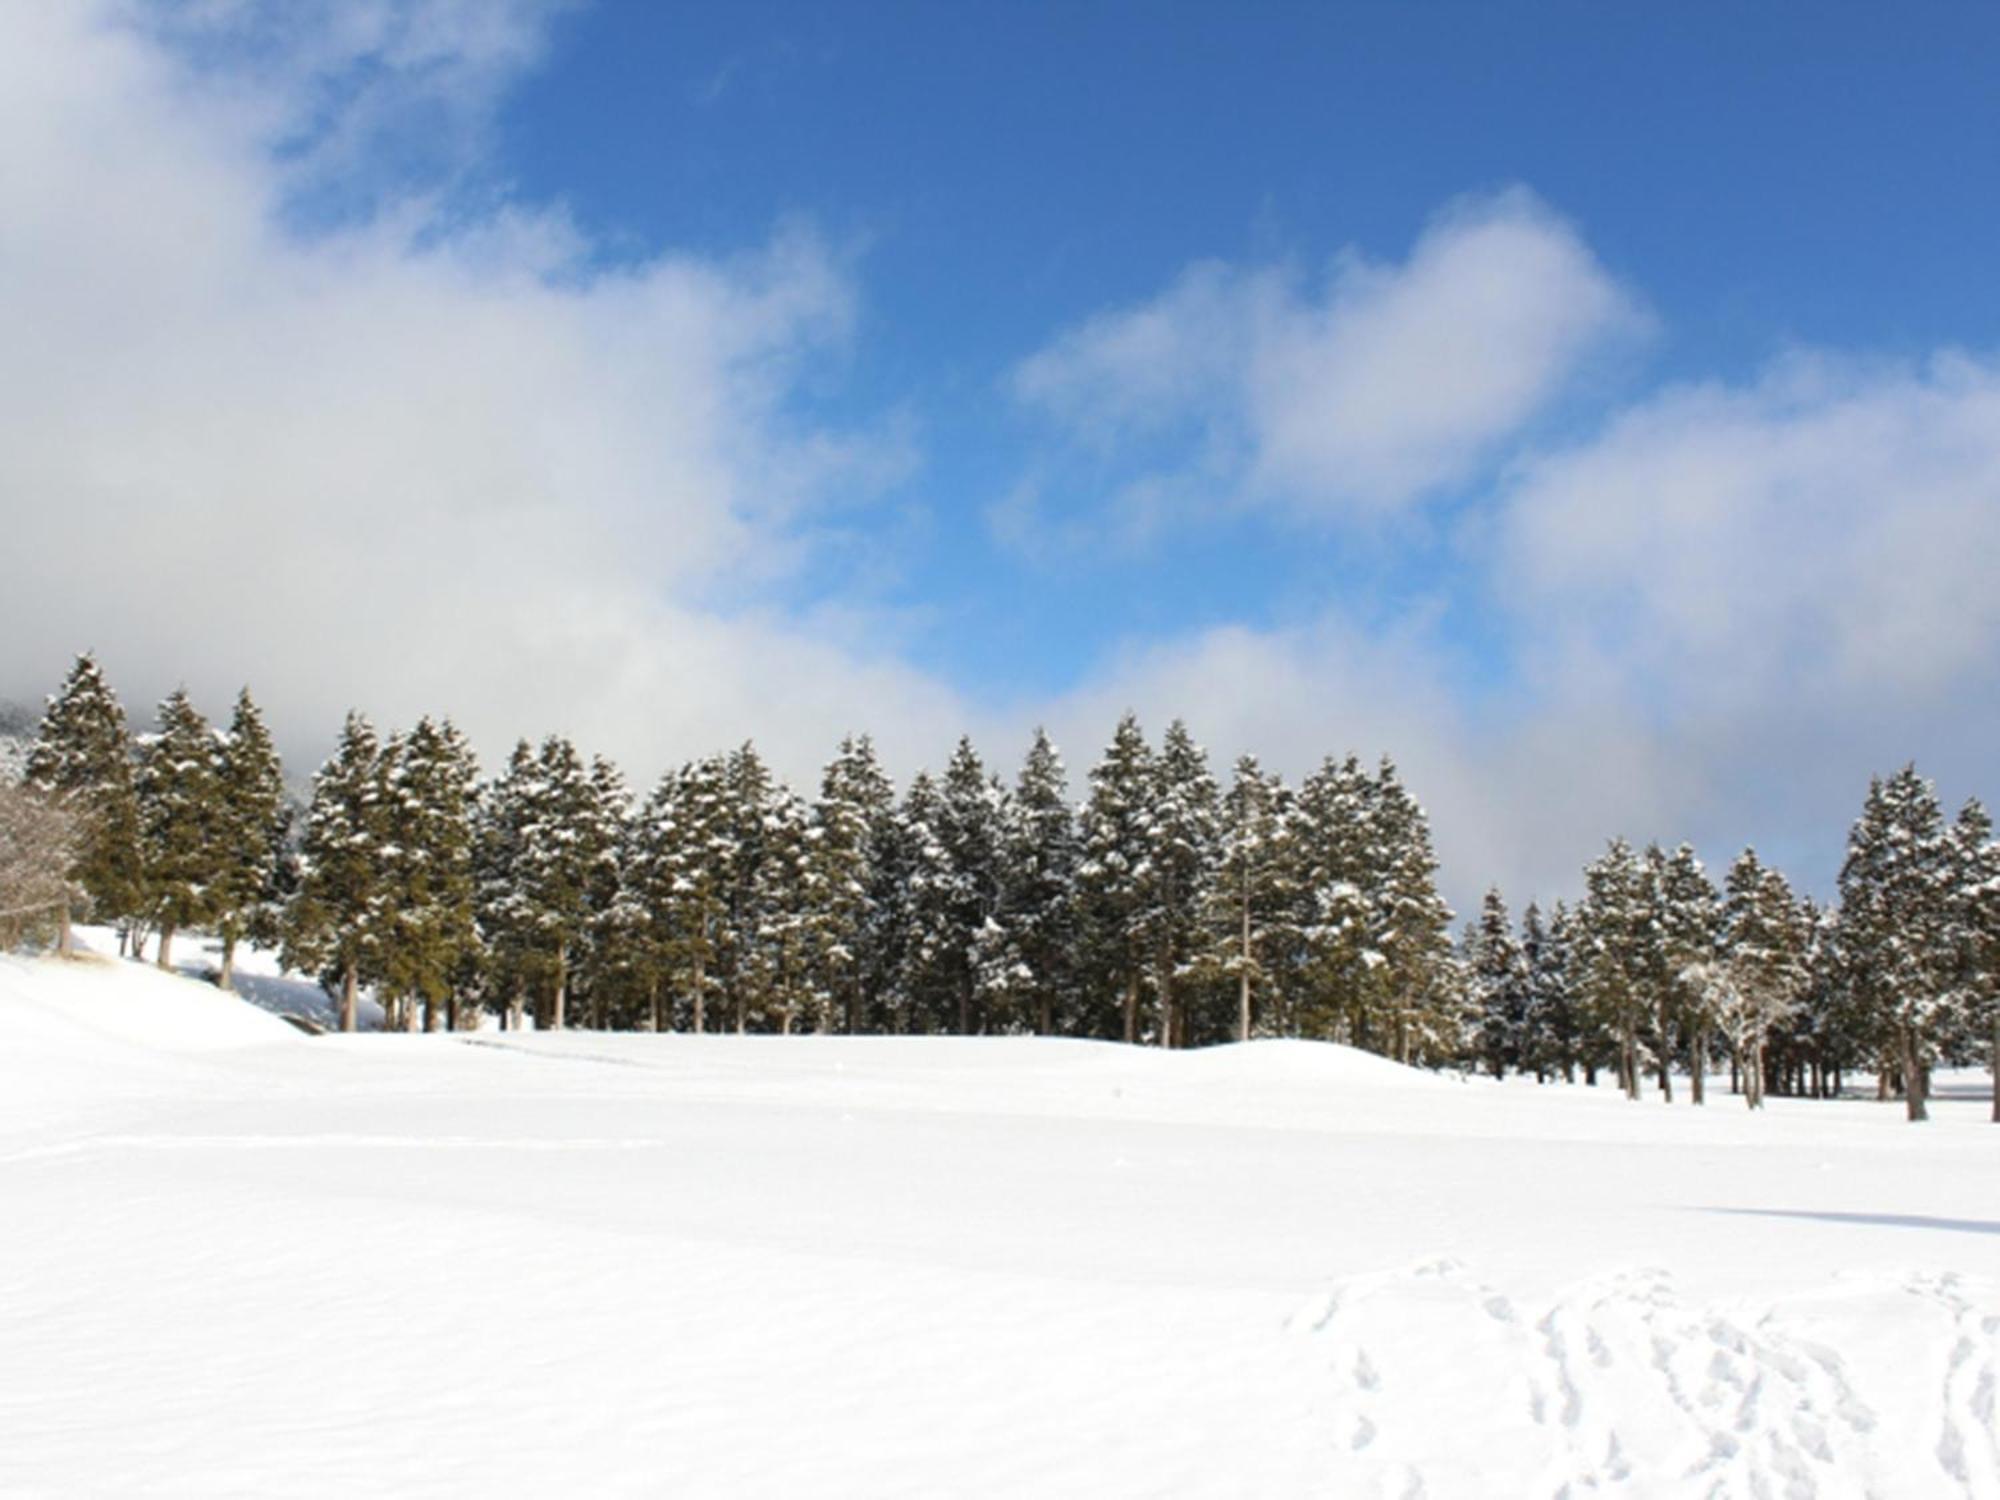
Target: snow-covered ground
{"x":235,"y":1260}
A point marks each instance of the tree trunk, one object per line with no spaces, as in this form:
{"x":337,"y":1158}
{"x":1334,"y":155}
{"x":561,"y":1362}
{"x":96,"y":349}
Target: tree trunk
{"x":1996,"y":1065}
{"x":965,"y":1007}
{"x":1132,"y":1008}
{"x":1914,"y":1080}
{"x":349,"y":1005}
{"x":165,"y":959}
{"x":66,"y":941}
{"x":1698,"y":1084}
{"x":430,"y":1014}
{"x":1044,"y":1020}
{"x":557,"y":998}
{"x":700,"y":997}
{"x":1628,"y":1060}
{"x":653,"y":1001}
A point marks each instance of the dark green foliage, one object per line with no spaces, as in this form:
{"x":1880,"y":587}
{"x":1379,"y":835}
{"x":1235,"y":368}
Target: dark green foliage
{"x":83,"y":756}
{"x":184,"y":826}
{"x":337,"y":924}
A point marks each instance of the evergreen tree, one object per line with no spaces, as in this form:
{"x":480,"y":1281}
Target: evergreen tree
{"x":557,"y":873}
{"x":1613,"y":951}
{"x":182,"y":820}
{"x":925,"y":995}
{"x":777,"y":974}
{"x":1332,"y":879}
{"x":1186,"y":841}
{"x":855,"y":795}
{"x":1410,"y":929}
{"x":1897,"y":922}
{"x":1027,"y":957}
{"x":745,"y":815}
{"x":429,"y":801}
{"x":1763,"y":972}
{"x":971,"y":826}
{"x":505,"y":933}
{"x":1686,"y":925}
{"x":1551,"y":1041}
{"x":611,"y":967}
{"x":253,"y":822}
{"x":82,"y":757}
{"x":1250,"y":896}
{"x":336,"y":923}
{"x":1499,"y":975}
{"x":1976,"y":882}
{"x":1114,"y":874}
{"x":699,"y":843}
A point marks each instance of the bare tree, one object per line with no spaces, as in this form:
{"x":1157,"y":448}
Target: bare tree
{"x":38,"y":837}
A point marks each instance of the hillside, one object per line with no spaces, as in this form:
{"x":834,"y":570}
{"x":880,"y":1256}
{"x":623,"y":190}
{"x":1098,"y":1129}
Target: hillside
{"x":244,"y":1262}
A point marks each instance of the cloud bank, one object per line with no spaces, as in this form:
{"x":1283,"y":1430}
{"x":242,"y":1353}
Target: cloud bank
{"x":427,"y":460}
{"x":288,"y":395}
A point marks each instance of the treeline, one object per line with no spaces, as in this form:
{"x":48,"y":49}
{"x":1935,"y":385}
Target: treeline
{"x":1656,"y":970}
{"x":1161,"y":906}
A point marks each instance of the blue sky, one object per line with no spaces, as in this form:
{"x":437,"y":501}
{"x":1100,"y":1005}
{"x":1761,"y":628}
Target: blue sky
{"x":1596,"y":407}
{"x":1764,"y":177}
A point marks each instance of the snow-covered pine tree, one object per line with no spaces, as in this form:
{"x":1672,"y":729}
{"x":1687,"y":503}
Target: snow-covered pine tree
{"x":1761,"y":974}
{"x":1186,"y":840}
{"x":1114,"y":872}
{"x":429,"y":802}
{"x":335,"y":923}
{"x":610,"y":970}
{"x":1248,"y":902}
{"x":972,"y":827}
{"x":252,"y":824}
{"x":82,"y":756}
{"x":181,"y":818}
{"x":885,"y":935}
{"x":1417,"y":979}
{"x":1897,"y":922}
{"x":1612,"y":951}
{"x":1550,"y":1042}
{"x":1976,"y":886}
{"x":778,"y":973}
{"x":1026,"y":955}
{"x":557,"y":871}
{"x":855,"y":795}
{"x":925,"y":996}
{"x":1499,"y":975}
{"x":749,"y":790}
{"x":702,"y":850}
{"x":505,"y":935}
{"x":1687,"y":924}
{"x":1332,"y":874}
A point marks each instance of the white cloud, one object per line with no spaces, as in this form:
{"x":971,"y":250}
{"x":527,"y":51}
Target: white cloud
{"x":1384,"y":386}
{"x":415,"y":465}
{"x":1713,"y":620}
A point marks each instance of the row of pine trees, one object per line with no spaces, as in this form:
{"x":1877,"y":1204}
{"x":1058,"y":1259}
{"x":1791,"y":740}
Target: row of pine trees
{"x":1162,"y":907}
{"x":1655,"y":969}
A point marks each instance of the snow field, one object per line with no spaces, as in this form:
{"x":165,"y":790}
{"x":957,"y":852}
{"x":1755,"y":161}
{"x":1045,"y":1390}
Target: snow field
{"x":244,"y":1262}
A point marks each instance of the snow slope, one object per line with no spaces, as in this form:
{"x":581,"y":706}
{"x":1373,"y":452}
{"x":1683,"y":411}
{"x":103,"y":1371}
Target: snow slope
{"x":238,"y":1261}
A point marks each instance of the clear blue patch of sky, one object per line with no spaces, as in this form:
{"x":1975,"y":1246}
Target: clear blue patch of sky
{"x":1763,"y":175}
